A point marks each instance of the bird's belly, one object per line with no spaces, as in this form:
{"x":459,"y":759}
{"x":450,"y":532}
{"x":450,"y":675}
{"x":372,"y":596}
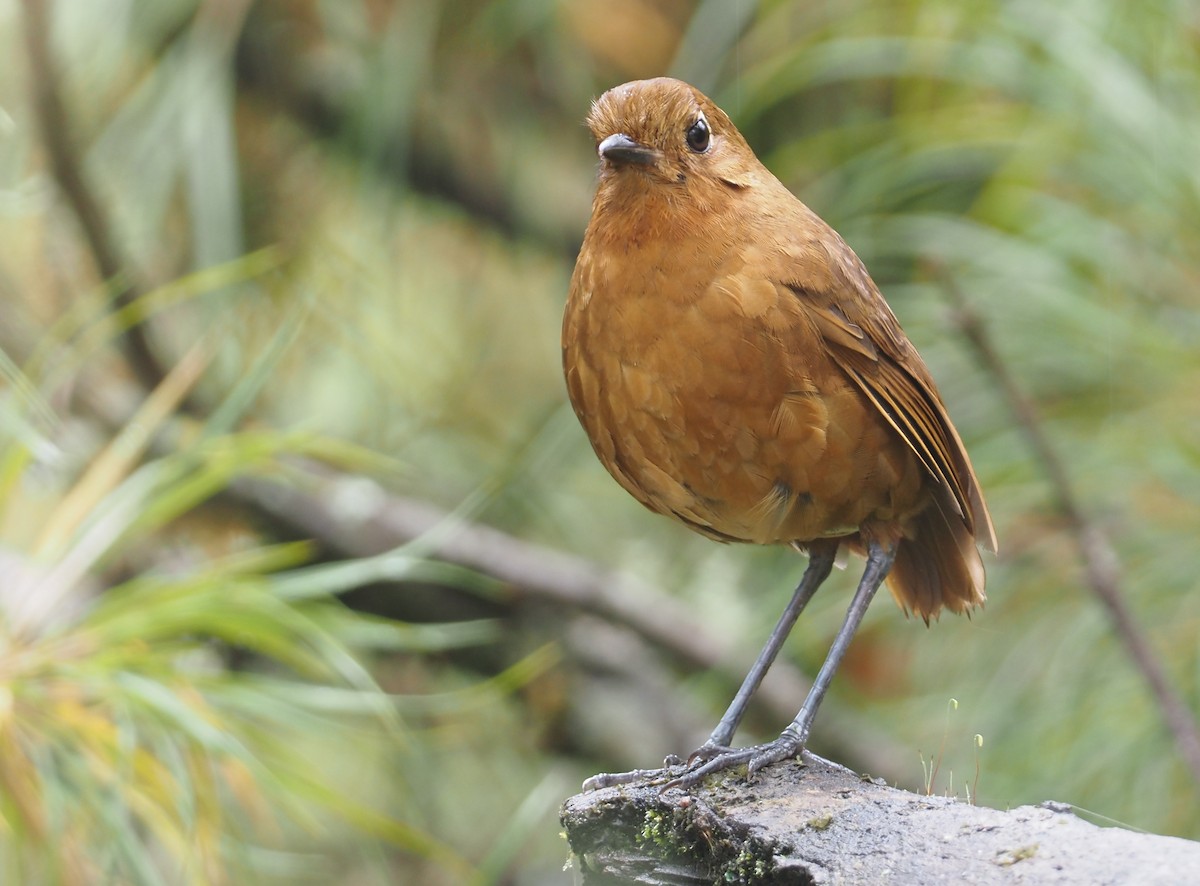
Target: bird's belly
{"x":722,"y":423}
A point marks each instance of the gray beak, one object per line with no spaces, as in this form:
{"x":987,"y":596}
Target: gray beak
{"x":624,"y":151}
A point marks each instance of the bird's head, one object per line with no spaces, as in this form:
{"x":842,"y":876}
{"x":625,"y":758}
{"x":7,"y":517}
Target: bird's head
{"x":665,"y":131}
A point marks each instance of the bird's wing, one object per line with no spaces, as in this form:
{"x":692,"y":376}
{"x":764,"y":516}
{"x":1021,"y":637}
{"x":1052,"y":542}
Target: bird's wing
{"x":866,"y":341}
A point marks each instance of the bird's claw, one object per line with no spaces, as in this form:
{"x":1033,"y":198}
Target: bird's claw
{"x":612,"y":779}
{"x":649,"y":776}
{"x":693,"y":776}
{"x":707,"y":751}
{"x":783,"y":748}
{"x":716,"y":759}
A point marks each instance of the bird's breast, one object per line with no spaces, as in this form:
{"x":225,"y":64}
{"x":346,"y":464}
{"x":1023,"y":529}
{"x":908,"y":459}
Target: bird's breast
{"x":708,"y":394}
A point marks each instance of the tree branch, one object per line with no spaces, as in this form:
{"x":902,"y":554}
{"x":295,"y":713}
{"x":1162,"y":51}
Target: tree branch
{"x":380,"y":521}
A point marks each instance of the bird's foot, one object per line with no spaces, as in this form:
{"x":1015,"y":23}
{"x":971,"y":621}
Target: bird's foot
{"x":701,"y":763}
{"x":649,"y":776}
{"x":715,"y":758}
{"x":708,"y":751}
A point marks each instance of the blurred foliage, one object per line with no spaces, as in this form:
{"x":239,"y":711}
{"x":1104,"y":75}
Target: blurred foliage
{"x":357,"y":220}
{"x":134,"y":750}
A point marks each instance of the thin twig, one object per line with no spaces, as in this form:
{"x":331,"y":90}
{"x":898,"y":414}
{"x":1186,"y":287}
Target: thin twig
{"x":68,"y":172}
{"x":1100,"y":560}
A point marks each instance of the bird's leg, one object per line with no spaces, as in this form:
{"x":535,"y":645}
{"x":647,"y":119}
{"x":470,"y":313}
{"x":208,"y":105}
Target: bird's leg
{"x":820,"y":562}
{"x":819,"y":565}
{"x":791,"y":741}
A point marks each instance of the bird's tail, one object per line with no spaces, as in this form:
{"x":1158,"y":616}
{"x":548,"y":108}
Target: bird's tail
{"x":937,"y":564}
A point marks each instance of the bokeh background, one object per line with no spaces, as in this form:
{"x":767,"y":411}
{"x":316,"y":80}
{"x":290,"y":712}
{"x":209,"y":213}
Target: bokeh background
{"x":308,"y":574}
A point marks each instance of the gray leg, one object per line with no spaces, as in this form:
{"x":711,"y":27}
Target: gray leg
{"x":791,"y":742}
{"x":819,"y":566}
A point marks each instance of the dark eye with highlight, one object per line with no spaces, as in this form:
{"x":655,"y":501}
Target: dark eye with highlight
{"x":698,"y":136}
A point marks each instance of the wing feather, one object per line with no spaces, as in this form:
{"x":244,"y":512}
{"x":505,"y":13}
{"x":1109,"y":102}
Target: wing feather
{"x":864,"y":338}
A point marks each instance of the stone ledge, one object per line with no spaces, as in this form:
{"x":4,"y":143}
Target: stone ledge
{"x":821,"y":823}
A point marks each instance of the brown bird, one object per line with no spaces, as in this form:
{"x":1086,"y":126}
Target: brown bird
{"x":735,"y":368}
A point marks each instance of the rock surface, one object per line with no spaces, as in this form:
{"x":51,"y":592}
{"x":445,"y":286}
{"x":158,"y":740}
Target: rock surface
{"x":821,"y":823}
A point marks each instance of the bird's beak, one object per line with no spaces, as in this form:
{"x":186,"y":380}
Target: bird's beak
{"x":624,"y":151}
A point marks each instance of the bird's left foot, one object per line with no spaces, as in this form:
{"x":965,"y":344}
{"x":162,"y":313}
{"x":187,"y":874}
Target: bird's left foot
{"x":648,"y":776}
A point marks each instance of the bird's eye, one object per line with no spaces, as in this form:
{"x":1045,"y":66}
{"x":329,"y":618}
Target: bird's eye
{"x":698,"y":136}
